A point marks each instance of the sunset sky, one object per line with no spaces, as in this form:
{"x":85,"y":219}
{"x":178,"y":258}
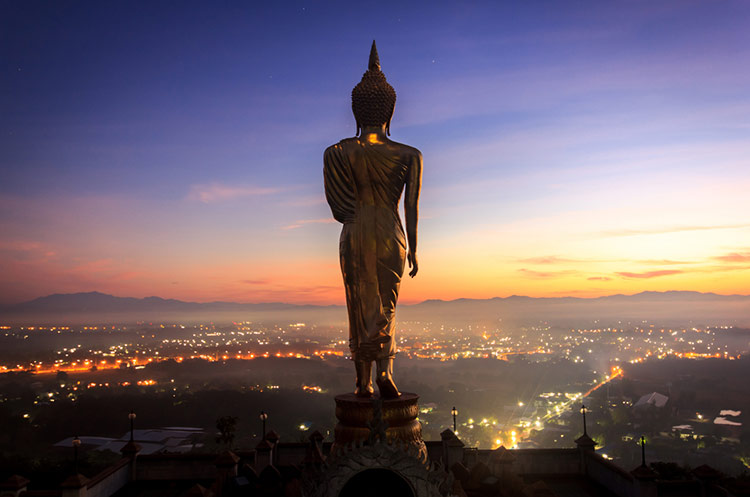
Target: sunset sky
{"x":570,"y":148}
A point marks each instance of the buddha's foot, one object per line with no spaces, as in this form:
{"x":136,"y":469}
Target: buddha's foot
{"x":387,"y":387}
{"x":364,"y":379}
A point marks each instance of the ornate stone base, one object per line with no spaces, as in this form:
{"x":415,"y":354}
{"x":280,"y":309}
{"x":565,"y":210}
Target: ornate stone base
{"x":379,"y":469}
{"x":356,"y":421}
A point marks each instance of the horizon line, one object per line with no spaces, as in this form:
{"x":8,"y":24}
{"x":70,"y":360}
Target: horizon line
{"x":402,"y":304}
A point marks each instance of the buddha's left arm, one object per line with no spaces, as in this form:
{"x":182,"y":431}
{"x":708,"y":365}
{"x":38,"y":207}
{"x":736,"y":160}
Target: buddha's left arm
{"x":411,"y":208}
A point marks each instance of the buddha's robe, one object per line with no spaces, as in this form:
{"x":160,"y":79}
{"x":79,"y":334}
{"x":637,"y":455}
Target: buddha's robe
{"x":363,"y":185}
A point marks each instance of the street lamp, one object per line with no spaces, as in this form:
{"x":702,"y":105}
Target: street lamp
{"x":76,"y":444}
{"x":454,"y":412}
{"x":263,"y":417}
{"x":643,"y":451}
{"x":131,"y":417}
{"x":584,"y":410}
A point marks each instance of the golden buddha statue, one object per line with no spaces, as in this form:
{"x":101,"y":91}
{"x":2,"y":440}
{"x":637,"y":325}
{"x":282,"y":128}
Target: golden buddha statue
{"x":364,"y":178}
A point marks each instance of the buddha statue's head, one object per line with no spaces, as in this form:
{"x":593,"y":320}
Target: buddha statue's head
{"x":373,"y":99}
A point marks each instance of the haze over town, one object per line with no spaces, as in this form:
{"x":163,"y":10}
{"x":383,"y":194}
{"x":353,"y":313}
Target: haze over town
{"x":518,"y":369}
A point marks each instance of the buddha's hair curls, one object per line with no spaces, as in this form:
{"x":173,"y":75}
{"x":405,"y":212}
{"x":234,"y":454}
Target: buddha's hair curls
{"x":373,"y":99}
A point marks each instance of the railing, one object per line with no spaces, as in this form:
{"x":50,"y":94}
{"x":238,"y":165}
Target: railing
{"x":110,"y":480}
{"x":609,"y":475}
{"x":546,"y":461}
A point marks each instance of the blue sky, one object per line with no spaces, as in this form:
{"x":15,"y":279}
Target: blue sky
{"x":176,"y":148}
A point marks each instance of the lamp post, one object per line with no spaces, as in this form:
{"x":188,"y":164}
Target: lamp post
{"x":131,"y":417}
{"x":76,"y":444}
{"x":584,"y":410}
{"x":643,"y":451}
{"x":263,"y":417}
{"x":454,"y":413}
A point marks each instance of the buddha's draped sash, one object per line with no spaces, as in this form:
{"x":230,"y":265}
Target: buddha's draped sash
{"x":363,"y":187}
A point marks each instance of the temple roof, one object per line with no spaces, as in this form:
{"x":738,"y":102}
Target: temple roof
{"x":14,"y":482}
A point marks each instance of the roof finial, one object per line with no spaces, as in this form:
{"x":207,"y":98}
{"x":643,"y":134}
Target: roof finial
{"x":374,"y":64}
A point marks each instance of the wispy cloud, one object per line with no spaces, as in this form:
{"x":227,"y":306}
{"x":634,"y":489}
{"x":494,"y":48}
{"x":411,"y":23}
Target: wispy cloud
{"x":22,"y":250}
{"x":734,"y":257}
{"x":302,"y":222}
{"x":672,"y":229}
{"x":664,"y":262}
{"x":548,"y":259}
{"x":19,"y":245}
{"x":306,"y":200}
{"x":217,"y":192}
{"x":725,"y":268}
{"x":649,"y":274}
{"x":544,"y":274}
{"x":553,"y":259}
{"x":599,"y":278}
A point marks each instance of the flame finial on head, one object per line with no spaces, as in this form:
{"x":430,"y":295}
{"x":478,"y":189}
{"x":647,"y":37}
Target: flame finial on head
{"x":374,"y":64}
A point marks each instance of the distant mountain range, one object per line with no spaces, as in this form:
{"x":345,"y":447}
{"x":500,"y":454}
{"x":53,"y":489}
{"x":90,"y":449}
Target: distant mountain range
{"x":101,"y":302}
{"x":673,"y":308}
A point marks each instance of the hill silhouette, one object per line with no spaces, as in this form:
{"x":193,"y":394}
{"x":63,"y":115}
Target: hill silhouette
{"x":672,"y":307}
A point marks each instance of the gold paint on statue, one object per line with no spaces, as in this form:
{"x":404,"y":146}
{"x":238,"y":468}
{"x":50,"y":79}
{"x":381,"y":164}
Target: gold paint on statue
{"x":365,"y":177}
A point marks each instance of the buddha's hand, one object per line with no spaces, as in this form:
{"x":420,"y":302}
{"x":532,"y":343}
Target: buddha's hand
{"x":412,"y":258}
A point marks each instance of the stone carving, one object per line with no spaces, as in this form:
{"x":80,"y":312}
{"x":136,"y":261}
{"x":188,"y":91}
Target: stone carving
{"x":405,"y":460}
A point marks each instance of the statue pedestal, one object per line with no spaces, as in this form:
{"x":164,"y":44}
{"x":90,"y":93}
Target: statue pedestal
{"x":356,"y":413}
